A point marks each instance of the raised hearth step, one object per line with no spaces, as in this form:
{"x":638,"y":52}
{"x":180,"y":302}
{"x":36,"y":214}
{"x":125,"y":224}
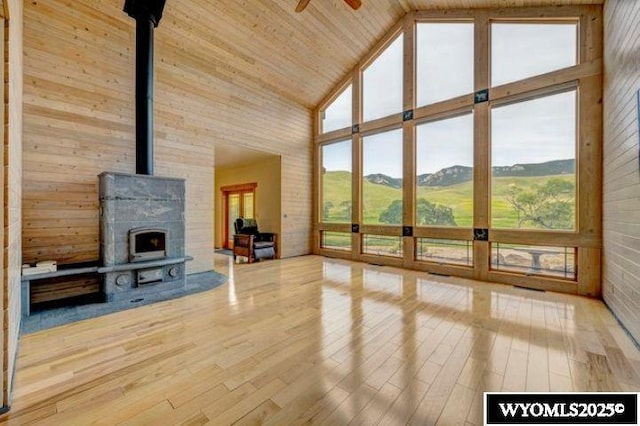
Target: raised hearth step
{"x":142,"y":265}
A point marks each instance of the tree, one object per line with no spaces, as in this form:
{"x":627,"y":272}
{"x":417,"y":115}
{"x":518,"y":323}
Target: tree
{"x":549,"y":206}
{"x":392,"y":214}
{"x":346,"y":210}
{"x":433,"y":214}
{"x":427,"y":213}
{"x":328,"y":205}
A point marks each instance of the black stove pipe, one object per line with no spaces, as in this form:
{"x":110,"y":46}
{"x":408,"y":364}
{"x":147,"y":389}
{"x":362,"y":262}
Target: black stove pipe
{"x":144,"y":97}
{"x":147,"y":14}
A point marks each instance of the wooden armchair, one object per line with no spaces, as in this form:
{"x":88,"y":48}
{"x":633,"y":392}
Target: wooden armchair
{"x":252,"y":244}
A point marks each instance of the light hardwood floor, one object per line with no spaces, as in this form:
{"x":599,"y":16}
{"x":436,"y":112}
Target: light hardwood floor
{"x":318,"y":340}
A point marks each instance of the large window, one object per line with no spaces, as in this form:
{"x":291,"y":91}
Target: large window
{"x":559,"y":262}
{"x":382,"y":178}
{"x":454,"y":252}
{"x":336,"y":182}
{"x":477,"y":148}
{"x":381,"y":245}
{"x":533,"y":155}
{"x":444,"y":61}
{"x":382,"y":83}
{"x":521,"y":50}
{"x":336,"y":241}
{"x":337,"y":115}
{"x":444,"y":165}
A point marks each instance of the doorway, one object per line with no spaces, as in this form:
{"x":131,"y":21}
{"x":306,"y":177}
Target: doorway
{"x":239,"y":201}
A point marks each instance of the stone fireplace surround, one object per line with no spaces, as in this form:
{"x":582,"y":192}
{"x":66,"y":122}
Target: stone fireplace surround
{"x":128,"y":204}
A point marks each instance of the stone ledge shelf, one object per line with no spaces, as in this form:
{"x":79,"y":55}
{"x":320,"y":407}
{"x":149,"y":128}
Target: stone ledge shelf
{"x":27,"y":279}
{"x":142,"y":265}
{"x":61,"y":273}
{"x":105,"y":269}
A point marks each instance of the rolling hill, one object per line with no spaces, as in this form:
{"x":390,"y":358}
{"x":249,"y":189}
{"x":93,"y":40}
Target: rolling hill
{"x":452,"y":187}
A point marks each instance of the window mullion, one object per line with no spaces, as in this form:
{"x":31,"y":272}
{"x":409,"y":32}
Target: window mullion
{"x":481,"y":162}
{"x":356,"y":158}
{"x":408,"y":137}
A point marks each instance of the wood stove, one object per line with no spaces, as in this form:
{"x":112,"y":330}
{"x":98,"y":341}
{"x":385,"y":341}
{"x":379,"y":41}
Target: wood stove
{"x":142,"y":235}
{"x":147,"y":244}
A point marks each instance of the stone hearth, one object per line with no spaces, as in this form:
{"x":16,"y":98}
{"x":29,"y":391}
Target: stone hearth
{"x":130,"y":206}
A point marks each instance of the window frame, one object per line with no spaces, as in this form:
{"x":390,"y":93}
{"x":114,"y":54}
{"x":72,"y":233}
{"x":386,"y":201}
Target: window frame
{"x":460,"y":112}
{"x":415,"y":82}
{"x":320,"y":156}
{"x":338,"y":91}
{"x":533,"y":21}
{"x":585,"y":76}
{"x":531,"y":96}
{"x":361,"y":177}
{"x":396,"y":33}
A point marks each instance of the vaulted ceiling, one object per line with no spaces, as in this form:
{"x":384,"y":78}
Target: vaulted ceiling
{"x":301,"y":56}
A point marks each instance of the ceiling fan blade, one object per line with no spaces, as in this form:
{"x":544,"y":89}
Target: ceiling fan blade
{"x":301,"y":5}
{"x":355,"y":4}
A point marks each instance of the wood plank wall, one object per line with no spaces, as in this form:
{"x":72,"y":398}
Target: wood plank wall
{"x":621,"y":268}
{"x":297,"y":196}
{"x":4,"y":312}
{"x":12,"y":258}
{"x":79,"y":121}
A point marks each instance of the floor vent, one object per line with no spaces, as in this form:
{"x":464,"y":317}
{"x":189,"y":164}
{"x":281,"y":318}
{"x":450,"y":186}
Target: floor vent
{"x":529,"y":288}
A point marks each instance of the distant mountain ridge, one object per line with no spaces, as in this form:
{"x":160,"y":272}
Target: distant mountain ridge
{"x":556,"y":167}
{"x":448,"y":176}
{"x":381,"y":179}
{"x":459,"y":174}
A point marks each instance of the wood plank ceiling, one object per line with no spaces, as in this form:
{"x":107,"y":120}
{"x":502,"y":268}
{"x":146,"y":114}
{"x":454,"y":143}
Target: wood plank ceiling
{"x":300,"y":56}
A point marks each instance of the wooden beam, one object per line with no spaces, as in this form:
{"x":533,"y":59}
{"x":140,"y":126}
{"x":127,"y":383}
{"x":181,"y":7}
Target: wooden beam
{"x":388,"y":230}
{"x":356,"y":163}
{"x":447,"y":233}
{"x":334,"y":135}
{"x":409,"y":136}
{"x":544,"y":81}
{"x":445,"y":108}
{"x":334,"y":227}
{"x":481,"y":146}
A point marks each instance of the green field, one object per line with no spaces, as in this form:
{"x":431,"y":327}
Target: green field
{"x":459,"y":197}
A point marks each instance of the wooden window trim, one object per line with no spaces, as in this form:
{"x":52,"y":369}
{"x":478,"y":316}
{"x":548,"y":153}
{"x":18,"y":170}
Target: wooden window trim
{"x":243,"y":187}
{"x":240,"y":189}
{"x":585,"y":77}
